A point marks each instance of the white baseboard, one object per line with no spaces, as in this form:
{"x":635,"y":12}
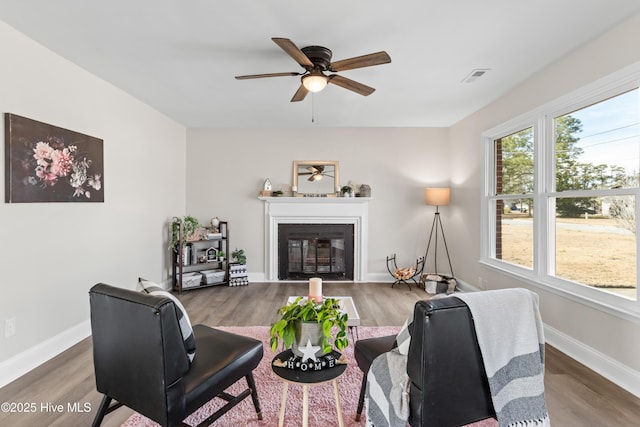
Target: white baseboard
{"x":611,"y":369}
{"x":20,"y":364}
{"x":257,"y":277}
{"x":371,"y":277}
{"x":379,"y":277}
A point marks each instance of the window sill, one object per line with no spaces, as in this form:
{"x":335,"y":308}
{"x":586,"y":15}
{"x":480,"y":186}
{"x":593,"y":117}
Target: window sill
{"x":620,"y":307}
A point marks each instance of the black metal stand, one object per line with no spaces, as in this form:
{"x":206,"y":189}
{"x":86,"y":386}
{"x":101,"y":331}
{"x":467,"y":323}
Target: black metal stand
{"x":437,"y":223}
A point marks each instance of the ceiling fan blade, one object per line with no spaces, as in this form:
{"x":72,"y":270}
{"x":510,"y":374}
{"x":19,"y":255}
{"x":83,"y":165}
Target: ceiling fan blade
{"x":361,"y":61}
{"x":351,"y":85}
{"x":293,"y":51}
{"x":260,"y":76}
{"x":300,"y":94}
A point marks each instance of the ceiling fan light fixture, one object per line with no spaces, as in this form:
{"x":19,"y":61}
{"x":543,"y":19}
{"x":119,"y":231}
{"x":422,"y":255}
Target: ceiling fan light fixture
{"x":316,"y":60}
{"x":315,"y":81}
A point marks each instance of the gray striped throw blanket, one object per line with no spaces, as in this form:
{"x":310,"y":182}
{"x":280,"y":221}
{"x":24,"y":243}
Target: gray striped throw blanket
{"x":514,"y":366}
{"x":387,"y":393}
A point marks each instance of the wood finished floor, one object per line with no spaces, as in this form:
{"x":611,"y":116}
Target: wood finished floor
{"x":576,"y":396}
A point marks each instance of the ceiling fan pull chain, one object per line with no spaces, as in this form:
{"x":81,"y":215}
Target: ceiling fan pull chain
{"x":313,"y":109}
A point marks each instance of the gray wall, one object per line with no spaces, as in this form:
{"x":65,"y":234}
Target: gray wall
{"x":227,"y":168}
{"x":52,"y":253}
{"x":603,"y":340}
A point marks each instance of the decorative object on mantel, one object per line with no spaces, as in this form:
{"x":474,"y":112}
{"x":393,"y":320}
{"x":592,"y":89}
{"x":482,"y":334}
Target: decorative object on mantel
{"x":437,"y":197}
{"x":346,"y":191}
{"x":46,"y":163}
{"x":266,"y":188}
{"x":365,"y":191}
{"x":286,"y":190}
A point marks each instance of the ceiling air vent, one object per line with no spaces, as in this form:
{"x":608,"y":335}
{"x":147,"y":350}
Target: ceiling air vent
{"x":475,"y":75}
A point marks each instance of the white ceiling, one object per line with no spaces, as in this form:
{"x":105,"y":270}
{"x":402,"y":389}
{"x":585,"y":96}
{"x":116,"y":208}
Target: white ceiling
{"x":180,"y":56}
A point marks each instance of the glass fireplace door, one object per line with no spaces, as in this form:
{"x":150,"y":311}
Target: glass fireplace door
{"x":322,"y":250}
{"x":311,"y":256}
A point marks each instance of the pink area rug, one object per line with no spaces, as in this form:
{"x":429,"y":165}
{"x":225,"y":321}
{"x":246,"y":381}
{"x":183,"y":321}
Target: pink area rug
{"x":322,"y":408}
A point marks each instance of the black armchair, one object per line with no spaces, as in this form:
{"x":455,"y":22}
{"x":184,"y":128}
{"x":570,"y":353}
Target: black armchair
{"x":141,"y":362}
{"x":448,"y":381}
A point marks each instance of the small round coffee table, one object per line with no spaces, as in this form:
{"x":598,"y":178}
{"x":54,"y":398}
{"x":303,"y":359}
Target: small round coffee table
{"x":306,"y":379}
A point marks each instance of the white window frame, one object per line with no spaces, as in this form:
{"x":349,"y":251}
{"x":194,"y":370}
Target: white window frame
{"x":542,"y":121}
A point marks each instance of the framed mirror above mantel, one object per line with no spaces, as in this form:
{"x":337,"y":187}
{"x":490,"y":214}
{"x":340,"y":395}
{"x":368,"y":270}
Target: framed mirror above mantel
{"x":316,"y":178}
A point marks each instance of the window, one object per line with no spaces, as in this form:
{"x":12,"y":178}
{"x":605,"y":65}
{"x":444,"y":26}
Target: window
{"x":513,"y":208}
{"x":560,"y":193}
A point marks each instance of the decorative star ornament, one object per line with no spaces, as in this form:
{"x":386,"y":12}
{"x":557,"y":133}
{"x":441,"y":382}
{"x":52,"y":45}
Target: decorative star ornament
{"x":309,"y":351}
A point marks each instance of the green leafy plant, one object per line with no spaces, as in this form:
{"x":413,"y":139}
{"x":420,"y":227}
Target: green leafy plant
{"x":239,"y":256}
{"x":221,"y":254}
{"x":327,"y":313}
{"x":189,"y":227}
{"x":346,"y":189}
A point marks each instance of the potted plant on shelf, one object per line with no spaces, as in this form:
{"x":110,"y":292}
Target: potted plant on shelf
{"x":221,"y":255}
{"x":239,"y":256}
{"x":190,"y":227}
{"x":304,"y":320}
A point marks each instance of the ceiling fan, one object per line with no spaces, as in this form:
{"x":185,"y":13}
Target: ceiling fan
{"x":316,"y":60}
{"x":316,"y":172}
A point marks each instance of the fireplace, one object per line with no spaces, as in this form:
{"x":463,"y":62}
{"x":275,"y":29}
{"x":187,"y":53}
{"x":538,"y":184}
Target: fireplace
{"x":315,"y":250}
{"x":351,"y":211}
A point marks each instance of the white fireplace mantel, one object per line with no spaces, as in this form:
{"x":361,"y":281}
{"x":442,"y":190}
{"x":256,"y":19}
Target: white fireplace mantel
{"x":317,"y":210}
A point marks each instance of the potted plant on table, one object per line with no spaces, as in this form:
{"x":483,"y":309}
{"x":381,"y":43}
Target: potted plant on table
{"x":321,"y":318}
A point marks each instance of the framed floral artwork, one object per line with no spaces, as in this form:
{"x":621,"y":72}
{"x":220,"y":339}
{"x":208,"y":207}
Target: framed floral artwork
{"x":45,"y":163}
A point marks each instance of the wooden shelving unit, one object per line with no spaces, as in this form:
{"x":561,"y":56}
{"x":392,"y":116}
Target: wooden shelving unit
{"x":193,"y":259}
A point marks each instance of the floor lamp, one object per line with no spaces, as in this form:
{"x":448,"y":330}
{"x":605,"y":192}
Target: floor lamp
{"x":437,"y":197}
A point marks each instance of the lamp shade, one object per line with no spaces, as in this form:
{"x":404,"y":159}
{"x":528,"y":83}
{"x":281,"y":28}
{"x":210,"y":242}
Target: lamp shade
{"x":314,"y":81}
{"x":437,"y":196}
